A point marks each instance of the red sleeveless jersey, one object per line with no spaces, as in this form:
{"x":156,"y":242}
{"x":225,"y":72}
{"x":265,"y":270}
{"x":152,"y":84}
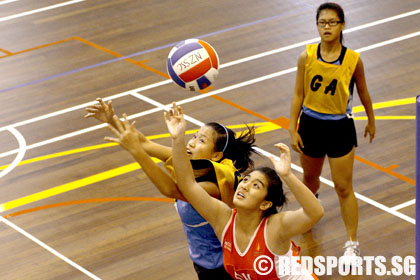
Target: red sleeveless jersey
{"x":257,"y":261}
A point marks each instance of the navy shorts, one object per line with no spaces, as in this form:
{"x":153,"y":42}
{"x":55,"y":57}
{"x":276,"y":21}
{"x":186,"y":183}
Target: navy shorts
{"x":211,"y":274}
{"x":334,"y":138}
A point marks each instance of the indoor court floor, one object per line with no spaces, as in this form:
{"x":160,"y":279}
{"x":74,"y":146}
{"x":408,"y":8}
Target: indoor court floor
{"x":74,"y":206}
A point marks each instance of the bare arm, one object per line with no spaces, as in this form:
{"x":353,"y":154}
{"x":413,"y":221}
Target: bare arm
{"x":213,"y":210}
{"x":104,"y":112}
{"x":127,"y":138}
{"x":359,"y":75}
{"x":296,"y":105}
{"x":291,"y":223}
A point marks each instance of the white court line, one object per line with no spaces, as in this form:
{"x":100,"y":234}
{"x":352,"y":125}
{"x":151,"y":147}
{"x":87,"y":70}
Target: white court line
{"x":48,"y":248}
{"x":191,"y":99}
{"x":387,"y":42}
{"x":7,"y":2}
{"x":405,"y":204}
{"x":84,"y":105}
{"x":21,"y":153}
{"x":150,"y":111}
{"x":314,"y":40}
{"x":133,"y":92}
{"x":40,"y":10}
{"x":387,"y":209}
{"x":296,"y":167}
{"x":221,"y":66}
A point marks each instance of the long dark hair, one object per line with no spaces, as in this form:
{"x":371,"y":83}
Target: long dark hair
{"x":275,"y":192}
{"x":335,"y":7}
{"x":238,"y":149}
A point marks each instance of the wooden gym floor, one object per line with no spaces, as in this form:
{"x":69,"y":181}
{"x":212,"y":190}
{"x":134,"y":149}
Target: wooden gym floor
{"x":75,"y":207}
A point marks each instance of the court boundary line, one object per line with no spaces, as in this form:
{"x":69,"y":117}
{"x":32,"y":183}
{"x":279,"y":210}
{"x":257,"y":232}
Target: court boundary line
{"x":224,"y":89}
{"x":21,"y":153}
{"x":7,"y":1}
{"x":168,"y":81}
{"x":89,"y":200}
{"x":6,"y":18}
{"x":95,"y":277}
{"x":48,"y":248}
{"x":102,"y":176}
{"x":200,"y":97}
{"x":51,"y":140}
{"x":405,"y":204}
{"x":360,"y":27}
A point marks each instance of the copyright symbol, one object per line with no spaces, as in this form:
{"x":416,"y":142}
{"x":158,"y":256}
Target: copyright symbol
{"x":263,"y":265}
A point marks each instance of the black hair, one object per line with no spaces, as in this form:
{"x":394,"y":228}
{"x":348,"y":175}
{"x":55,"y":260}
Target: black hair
{"x":335,"y":7}
{"x":238,"y":149}
{"x":275,"y":193}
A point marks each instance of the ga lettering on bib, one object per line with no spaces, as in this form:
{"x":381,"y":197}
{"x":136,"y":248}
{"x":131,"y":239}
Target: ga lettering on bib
{"x":327,"y":85}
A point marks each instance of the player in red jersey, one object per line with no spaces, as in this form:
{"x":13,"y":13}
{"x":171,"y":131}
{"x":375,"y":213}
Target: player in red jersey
{"x":255,"y":237}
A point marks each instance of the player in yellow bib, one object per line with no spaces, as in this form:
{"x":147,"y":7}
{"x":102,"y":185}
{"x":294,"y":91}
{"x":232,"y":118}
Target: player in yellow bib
{"x":322,"y":102}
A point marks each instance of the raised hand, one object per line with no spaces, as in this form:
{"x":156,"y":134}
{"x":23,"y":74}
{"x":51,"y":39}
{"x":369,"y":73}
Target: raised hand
{"x":175,"y":121}
{"x":282,"y":166}
{"x":126,"y":134}
{"x":102,"y":112}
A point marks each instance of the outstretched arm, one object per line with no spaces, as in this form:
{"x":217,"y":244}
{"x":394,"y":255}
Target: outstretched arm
{"x":213,"y":210}
{"x":291,"y":223}
{"x":127,"y":137}
{"x":104,"y":112}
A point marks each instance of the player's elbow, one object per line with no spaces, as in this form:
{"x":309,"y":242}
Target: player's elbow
{"x":168,"y":193}
{"x":318,"y":214}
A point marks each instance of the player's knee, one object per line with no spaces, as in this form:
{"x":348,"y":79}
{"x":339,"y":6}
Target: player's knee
{"x":343,"y":190}
{"x":311,"y":179}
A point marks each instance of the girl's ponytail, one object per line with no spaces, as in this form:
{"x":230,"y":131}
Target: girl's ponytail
{"x":239,"y":149}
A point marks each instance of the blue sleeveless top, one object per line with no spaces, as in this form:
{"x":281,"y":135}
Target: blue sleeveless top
{"x":203,"y":245}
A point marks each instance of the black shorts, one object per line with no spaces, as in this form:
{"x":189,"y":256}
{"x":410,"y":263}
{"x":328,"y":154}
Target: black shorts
{"x":211,"y":274}
{"x":334,"y":138}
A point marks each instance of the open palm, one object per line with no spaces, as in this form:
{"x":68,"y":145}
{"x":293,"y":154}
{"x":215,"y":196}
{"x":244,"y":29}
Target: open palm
{"x":282,"y":166}
{"x":175,"y":121}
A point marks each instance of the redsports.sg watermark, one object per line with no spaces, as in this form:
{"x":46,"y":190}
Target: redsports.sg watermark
{"x":329,"y":265}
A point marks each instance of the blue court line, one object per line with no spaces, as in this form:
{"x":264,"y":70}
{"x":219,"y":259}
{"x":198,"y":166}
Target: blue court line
{"x":149,"y":50}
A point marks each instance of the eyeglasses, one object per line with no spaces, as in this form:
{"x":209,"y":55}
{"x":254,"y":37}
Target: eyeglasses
{"x":323,"y":23}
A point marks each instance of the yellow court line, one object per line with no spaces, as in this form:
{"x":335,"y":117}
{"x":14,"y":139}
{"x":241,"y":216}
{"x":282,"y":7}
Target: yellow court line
{"x":65,"y":153}
{"x":84,"y":149}
{"x":97,"y":177}
{"x":70,"y":186}
{"x":388,"y":118}
{"x":266,"y":127}
{"x":260,"y":128}
{"x":387,"y":104}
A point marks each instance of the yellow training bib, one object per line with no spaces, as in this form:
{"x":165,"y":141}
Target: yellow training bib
{"x":327,"y":85}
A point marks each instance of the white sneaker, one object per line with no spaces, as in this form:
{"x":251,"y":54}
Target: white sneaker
{"x":351,"y":255}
